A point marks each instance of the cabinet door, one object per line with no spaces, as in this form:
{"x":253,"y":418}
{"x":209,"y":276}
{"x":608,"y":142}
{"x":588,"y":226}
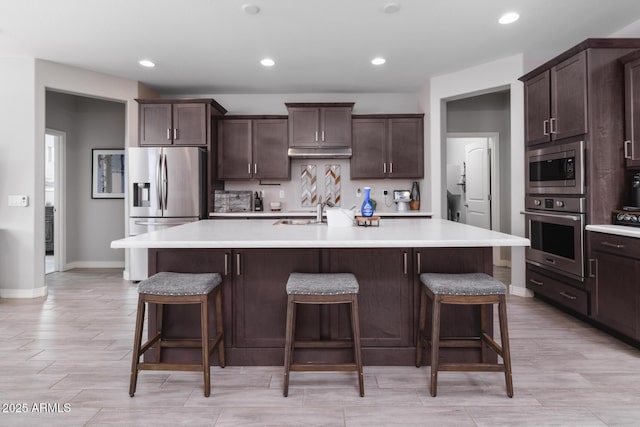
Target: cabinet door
{"x":260,"y":296}
{"x":385,"y":298}
{"x":304,"y":126}
{"x":335,"y":127}
{"x":632,"y":113}
{"x":190,"y":124}
{"x":270,"y":159}
{"x":155,"y":124}
{"x":406,"y":158}
{"x":569,"y":97}
{"x":369,"y":148}
{"x":234,"y":149}
{"x":537,"y":109}
{"x":616,"y":292}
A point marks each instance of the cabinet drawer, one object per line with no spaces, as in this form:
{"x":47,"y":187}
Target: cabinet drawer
{"x":568,"y":296}
{"x":614,"y":244}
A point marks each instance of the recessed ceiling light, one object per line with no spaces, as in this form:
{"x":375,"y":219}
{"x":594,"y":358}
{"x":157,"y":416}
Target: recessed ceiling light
{"x":250,"y":9}
{"x":391,"y":8}
{"x":378,"y":61}
{"x":509,"y":18}
{"x":147,"y":63}
{"x":268,"y":62}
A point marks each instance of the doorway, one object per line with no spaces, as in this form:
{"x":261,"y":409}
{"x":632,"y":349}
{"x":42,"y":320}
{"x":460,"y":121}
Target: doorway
{"x":54,"y":235}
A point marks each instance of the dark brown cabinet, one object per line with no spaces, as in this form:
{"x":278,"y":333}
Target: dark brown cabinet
{"x":319,"y":125}
{"x":615,"y":282}
{"x":556,"y":101}
{"x":251,"y":148}
{"x":176,"y":122}
{"x":389,"y":146}
{"x":632,"y":110}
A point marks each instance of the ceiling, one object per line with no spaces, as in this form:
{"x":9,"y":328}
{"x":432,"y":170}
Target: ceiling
{"x":320,"y":46}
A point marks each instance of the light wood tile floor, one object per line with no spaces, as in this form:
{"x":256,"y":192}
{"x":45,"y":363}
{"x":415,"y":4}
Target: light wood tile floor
{"x":74,"y":347}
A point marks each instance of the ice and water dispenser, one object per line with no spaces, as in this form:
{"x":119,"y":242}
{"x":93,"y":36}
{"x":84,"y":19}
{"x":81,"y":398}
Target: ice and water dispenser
{"x":141,"y":194}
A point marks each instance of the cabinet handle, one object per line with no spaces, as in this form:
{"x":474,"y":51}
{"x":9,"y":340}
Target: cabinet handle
{"x":626,"y":150}
{"x":404,"y":262}
{"x":553,"y":125}
{"x":592,"y":270}
{"x":249,"y":168}
{"x":226,"y":264}
{"x":175,"y":134}
{"x":550,"y":260}
{"x":322,"y":136}
{"x":238,"y":271}
{"x":390,"y":167}
{"x":255,"y":168}
{"x":316,"y":136}
{"x":418,"y":259}
{"x":536,"y":282}
{"x":568,"y":296}
{"x":545,"y":127}
{"x":384,"y":168}
{"x":613,"y":245}
{"x":169,"y":134}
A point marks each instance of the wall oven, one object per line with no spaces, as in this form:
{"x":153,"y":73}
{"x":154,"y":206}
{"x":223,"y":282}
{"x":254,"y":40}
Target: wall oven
{"x":555,"y":227}
{"x":557,"y":169}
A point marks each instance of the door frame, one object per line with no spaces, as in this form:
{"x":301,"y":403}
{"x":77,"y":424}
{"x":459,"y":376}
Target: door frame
{"x":59,"y":231}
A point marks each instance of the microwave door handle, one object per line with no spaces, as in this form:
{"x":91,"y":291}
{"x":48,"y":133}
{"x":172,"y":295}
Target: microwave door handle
{"x":572,"y":217}
{"x":159,"y":181}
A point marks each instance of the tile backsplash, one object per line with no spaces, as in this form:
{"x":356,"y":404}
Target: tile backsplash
{"x":332,"y":180}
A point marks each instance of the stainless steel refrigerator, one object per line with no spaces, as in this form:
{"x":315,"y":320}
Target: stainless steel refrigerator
{"x":167,"y":188}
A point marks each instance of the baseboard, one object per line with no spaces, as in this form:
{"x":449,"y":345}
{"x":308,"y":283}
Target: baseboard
{"x":93,"y":264}
{"x":502,"y":263}
{"x":520,"y":291}
{"x":24,"y":293}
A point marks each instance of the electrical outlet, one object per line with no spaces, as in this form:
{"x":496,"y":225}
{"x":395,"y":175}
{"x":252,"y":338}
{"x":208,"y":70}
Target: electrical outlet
{"x":358,"y":192}
{"x":282,"y":194}
{"x":21,"y":201}
{"x":385,"y":192}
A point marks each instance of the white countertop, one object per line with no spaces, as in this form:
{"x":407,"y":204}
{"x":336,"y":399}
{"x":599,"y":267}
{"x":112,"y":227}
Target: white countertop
{"x":620,"y":230}
{"x":242,"y":233}
{"x":308,"y":213}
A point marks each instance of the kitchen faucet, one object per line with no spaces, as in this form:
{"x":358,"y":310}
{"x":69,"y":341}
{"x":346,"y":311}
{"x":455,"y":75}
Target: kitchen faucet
{"x":320,"y":208}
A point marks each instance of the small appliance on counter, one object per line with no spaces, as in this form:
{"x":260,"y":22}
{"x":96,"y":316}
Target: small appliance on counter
{"x":402,"y":198}
{"x":629,"y":215}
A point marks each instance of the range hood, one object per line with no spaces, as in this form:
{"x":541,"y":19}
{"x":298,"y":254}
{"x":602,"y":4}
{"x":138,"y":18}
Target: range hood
{"x":320,"y":153}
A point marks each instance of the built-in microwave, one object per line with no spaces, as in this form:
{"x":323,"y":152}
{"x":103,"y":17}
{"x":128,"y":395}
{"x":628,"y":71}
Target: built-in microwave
{"x":557,"y":169}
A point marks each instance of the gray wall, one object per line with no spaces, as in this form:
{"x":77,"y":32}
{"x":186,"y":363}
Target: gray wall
{"x":488,"y":113}
{"x":91,"y":224}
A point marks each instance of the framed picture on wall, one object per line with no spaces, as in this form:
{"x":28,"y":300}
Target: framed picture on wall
{"x":107,"y":174}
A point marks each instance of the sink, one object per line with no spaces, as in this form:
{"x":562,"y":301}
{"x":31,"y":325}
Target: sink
{"x":295,"y":222}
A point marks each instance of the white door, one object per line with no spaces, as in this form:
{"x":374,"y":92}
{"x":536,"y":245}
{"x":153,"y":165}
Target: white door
{"x":478,"y":184}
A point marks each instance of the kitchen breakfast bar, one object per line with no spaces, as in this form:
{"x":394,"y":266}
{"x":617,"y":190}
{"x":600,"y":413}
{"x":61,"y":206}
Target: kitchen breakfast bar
{"x":255,"y":257}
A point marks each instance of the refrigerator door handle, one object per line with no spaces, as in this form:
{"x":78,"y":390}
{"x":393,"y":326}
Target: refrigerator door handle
{"x":165,"y":182}
{"x":159,"y":182}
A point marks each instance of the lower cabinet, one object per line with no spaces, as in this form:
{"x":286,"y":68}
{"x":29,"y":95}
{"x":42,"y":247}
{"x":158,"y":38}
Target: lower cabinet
{"x":615,"y":275}
{"x":559,"y":290}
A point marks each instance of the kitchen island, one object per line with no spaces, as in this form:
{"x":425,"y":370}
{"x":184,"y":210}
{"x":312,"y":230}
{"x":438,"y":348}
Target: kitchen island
{"x":256,"y":257}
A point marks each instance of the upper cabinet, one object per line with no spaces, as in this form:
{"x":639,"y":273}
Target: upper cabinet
{"x":388,"y":146}
{"x":320,"y":125}
{"x":253,"y":148}
{"x":632,"y":109}
{"x":176,"y":121}
{"x":556,"y":101}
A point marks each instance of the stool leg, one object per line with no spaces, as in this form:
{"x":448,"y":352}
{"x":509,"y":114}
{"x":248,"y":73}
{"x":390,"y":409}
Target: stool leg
{"x":435,"y":344}
{"x":484,"y":319}
{"x":422,"y":322}
{"x":206,"y":369}
{"x":220,"y":328}
{"x":504,"y":337}
{"x":289,"y":341}
{"x":159,"y":315}
{"x":355,"y":325}
{"x":137,"y":342}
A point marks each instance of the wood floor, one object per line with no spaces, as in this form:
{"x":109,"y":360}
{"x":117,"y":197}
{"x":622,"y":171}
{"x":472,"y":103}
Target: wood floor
{"x":72,"y":351}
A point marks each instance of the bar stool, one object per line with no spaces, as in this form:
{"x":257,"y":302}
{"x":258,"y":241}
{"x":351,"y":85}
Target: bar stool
{"x":178,"y":288}
{"x":464,"y":289}
{"x":320,"y":288}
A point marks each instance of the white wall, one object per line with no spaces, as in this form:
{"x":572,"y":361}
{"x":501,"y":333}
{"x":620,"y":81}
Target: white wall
{"x":497,"y":75}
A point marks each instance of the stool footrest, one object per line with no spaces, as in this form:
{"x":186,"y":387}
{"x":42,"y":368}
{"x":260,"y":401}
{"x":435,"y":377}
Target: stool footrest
{"x":482,"y":367}
{"x":493,"y":344}
{"x":189,"y":343}
{"x":459,"y":343}
{"x":146,"y":346}
{"x":324,"y":344}
{"x":164,"y":366}
{"x":323,"y":367}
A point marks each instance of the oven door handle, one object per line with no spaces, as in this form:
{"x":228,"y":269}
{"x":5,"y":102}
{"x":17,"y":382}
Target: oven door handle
{"x":559,"y":216}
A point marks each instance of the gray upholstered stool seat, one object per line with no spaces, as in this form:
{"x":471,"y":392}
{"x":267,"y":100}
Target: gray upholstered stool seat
{"x":322,"y":284}
{"x":322,"y":288}
{"x":177,"y":284}
{"x":463,"y":284}
{"x":168,"y":288}
{"x":475,"y":289}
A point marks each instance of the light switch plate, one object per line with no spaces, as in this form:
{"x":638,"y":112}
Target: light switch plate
{"x":20,"y":201}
